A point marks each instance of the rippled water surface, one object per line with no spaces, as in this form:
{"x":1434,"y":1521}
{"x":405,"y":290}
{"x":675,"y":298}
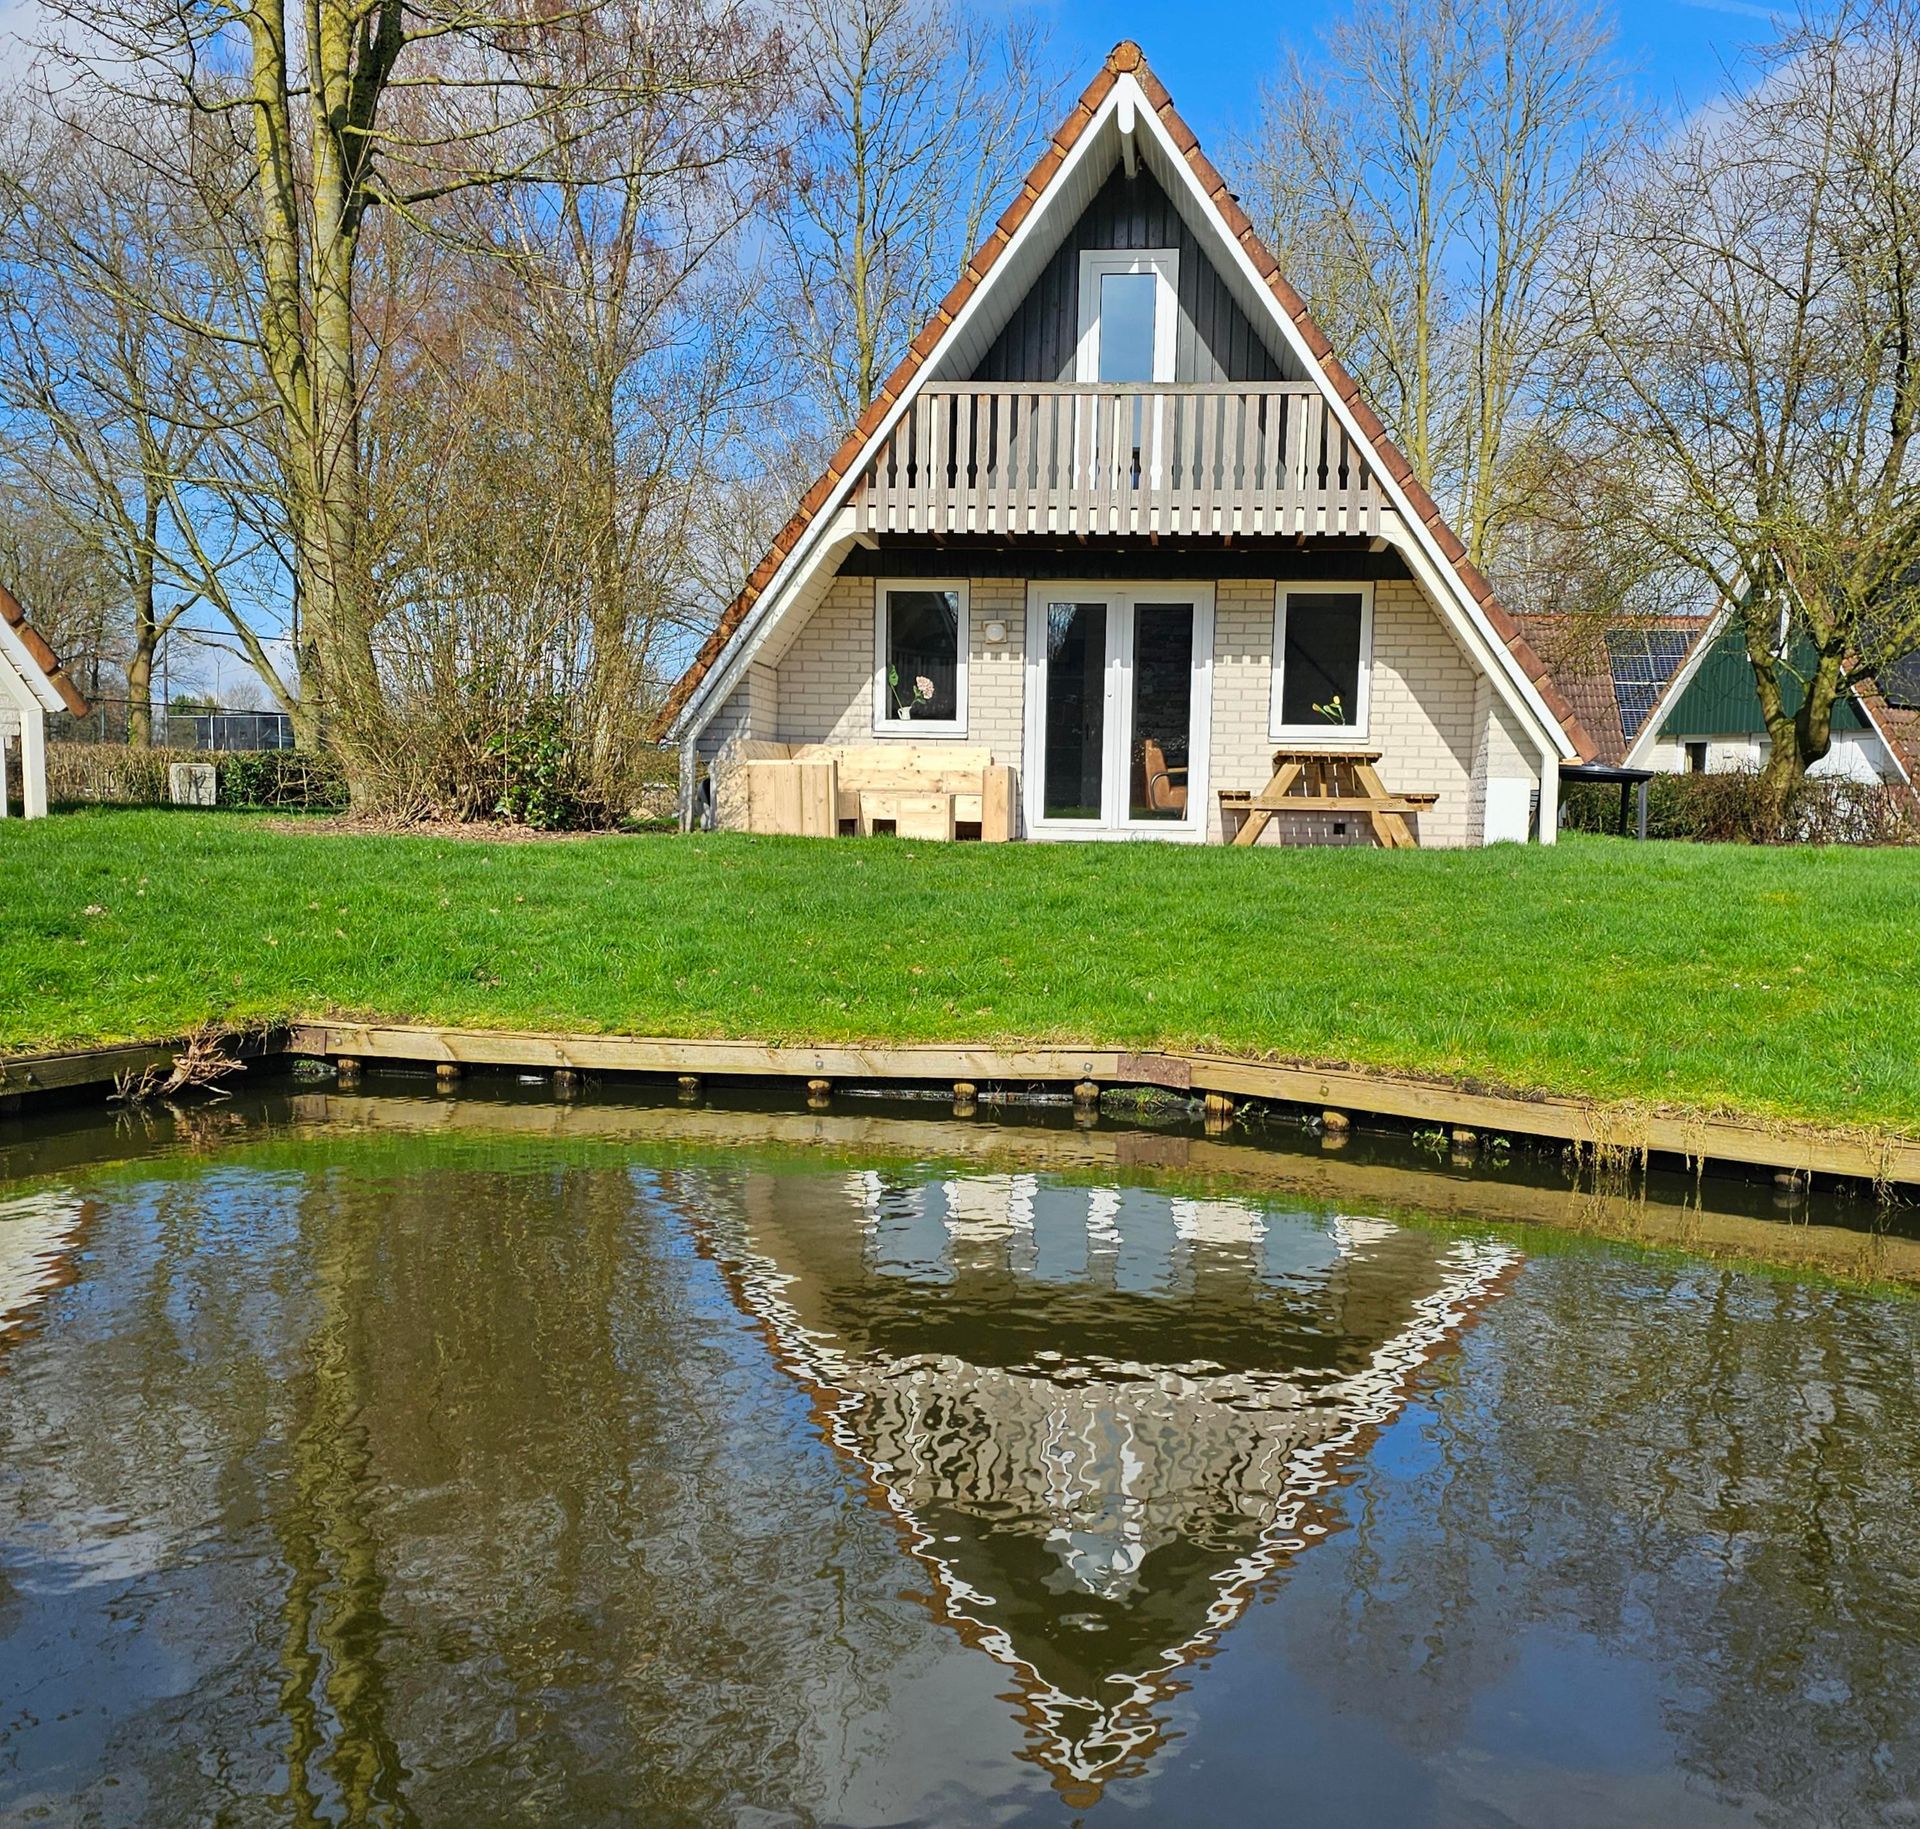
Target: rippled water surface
{"x":377,"y":1459}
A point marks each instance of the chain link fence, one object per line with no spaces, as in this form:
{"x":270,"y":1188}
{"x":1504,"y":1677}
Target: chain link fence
{"x":201,"y":728}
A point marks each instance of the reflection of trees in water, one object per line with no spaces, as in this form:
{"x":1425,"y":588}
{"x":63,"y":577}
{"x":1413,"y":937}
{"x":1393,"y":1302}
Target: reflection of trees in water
{"x":468,"y":1491}
{"x":1712,"y":1473}
{"x":449,"y":1493}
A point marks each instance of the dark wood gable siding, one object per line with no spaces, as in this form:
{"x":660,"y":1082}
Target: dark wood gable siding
{"x":1215,"y":340}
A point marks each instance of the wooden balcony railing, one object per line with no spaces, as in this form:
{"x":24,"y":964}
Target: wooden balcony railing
{"x":1049,"y":458}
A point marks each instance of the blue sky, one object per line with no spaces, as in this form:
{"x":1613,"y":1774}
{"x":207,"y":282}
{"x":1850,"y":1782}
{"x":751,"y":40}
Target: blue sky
{"x":1213,"y":54}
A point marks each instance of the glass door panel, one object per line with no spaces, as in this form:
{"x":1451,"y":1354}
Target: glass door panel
{"x":1161,"y":708}
{"x":1075,"y":731}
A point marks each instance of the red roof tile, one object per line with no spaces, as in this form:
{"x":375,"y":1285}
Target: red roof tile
{"x":43,"y":656}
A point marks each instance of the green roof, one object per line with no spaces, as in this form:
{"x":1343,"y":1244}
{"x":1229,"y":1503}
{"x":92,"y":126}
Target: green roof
{"x":1720,"y":700}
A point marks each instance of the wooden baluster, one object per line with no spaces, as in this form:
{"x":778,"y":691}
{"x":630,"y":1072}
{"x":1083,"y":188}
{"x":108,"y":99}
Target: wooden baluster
{"x":1313,"y":430}
{"x":1173,"y":464}
{"x":1207,"y":420}
{"x":1272,"y":448}
{"x":1003,"y":462}
{"x":1247,"y":484}
{"x":1101,"y":478}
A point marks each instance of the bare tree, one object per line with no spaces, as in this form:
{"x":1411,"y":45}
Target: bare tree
{"x":1749,"y":383}
{"x":78,"y":602}
{"x":112,"y":407}
{"x":913,"y":115}
{"x":1416,"y":176}
{"x":344,"y":109}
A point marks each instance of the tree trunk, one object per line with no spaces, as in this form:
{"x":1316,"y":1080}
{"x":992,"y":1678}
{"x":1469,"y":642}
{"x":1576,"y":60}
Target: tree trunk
{"x":140,"y":689}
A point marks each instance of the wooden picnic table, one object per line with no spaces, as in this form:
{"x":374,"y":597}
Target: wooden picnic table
{"x":1328,"y":782}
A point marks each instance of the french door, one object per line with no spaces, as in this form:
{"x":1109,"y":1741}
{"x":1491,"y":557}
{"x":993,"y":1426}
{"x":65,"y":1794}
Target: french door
{"x":1118,"y":693}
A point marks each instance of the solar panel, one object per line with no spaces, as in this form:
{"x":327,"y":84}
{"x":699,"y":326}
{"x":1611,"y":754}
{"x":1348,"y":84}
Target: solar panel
{"x":1900,"y":683}
{"x":1643,"y":661}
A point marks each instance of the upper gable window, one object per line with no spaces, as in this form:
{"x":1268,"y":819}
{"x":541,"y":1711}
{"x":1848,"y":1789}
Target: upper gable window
{"x":1128,"y":314}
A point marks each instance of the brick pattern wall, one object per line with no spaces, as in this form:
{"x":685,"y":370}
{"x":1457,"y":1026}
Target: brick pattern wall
{"x":1421,"y":712}
{"x":826,"y":674}
{"x":1438,"y":724}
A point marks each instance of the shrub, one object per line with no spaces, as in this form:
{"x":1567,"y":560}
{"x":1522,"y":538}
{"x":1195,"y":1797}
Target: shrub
{"x":112,"y":773}
{"x":119,"y":774}
{"x":290,"y":780}
{"x":1730,"y":808}
{"x":542,"y":784}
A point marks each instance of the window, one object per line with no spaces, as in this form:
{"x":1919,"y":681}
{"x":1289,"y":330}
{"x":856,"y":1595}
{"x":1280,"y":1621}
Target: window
{"x":1322,"y":662}
{"x":1128,"y":313}
{"x":1696,"y":758}
{"x":920,"y":659}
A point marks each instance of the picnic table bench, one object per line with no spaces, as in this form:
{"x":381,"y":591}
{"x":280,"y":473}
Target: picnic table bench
{"x":1325,"y":782}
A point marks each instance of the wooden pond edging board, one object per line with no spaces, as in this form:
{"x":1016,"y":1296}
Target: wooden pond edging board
{"x":1751,"y":1142}
{"x":1629,"y":1130}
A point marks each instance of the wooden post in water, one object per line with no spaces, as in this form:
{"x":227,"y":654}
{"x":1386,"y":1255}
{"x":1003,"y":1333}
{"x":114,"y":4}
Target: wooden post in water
{"x":566,"y":1083}
{"x":689,"y":1084}
{"x":446,"y":1076}
{"x":965,"y":1100}
{"x":346,"y":1072}
{"x":819,"y":1094}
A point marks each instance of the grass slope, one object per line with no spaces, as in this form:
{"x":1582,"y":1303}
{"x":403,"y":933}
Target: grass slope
{"x":1778,"y":983}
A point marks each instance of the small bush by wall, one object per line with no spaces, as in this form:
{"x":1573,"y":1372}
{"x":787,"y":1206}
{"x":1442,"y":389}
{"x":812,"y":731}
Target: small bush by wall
{"x":1729,"y":808}
{"x":292,"y":780}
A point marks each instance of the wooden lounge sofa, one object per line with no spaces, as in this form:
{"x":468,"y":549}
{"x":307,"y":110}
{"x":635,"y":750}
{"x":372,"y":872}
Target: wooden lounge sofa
{"x":914,"y":790}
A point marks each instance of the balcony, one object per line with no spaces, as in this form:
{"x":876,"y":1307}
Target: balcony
{"x":1032,"y":458}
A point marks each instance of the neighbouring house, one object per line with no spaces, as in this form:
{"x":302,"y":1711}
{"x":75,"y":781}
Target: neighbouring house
{"x":1675,"y":694}
{"x":1118,"y":531}
{"x":32,"y":684}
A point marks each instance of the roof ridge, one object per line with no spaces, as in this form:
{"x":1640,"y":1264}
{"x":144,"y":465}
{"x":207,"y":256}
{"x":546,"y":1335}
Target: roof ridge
{"x":43,"y":655}
{"x":1127,"y":59}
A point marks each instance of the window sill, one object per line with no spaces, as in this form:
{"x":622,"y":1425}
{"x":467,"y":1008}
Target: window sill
{"x":1320,"y":736}
{"x":906,"y":733}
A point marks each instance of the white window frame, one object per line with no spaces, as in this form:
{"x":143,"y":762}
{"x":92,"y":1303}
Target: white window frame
{"x":885,"y":724}
{"x":1318,"y":735}
{"x":1120,"y":600}
{"x":1095,"y":265}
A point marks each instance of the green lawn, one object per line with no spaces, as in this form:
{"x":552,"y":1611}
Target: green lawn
{"x":1783,"y":983}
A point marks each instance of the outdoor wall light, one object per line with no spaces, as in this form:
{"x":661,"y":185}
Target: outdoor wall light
{"x":996,"y":631}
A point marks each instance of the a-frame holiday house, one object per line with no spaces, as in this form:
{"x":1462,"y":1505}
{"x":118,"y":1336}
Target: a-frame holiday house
{"x":1119,"y":551}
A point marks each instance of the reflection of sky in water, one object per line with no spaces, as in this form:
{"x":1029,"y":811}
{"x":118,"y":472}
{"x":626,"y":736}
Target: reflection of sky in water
{"x":407,"y":1479}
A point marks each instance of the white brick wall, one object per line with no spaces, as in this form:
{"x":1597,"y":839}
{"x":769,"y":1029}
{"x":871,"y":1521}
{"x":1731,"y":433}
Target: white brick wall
{"x":1421,"y":712}
{"x":1436,"y":721}
{"x":826,"y":674}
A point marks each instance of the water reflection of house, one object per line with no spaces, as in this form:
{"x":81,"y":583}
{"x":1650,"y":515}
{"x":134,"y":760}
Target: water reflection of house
{"x":1101,"y":1417}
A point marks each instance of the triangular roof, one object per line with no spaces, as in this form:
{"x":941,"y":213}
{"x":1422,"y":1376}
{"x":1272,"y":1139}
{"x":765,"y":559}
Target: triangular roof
{"x":1123,"y":62}
{"x":1898,"y":729}
{"x":1617,"y":671}
{"x":37,"y":662}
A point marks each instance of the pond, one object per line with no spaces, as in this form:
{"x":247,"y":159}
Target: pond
{"x":394,"y":1459}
